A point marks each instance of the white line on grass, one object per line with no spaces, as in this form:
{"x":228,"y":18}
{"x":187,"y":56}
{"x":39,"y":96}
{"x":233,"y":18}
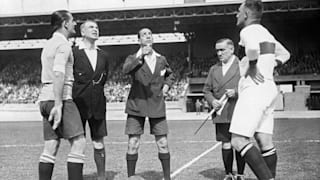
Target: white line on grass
{"x":194,"y":160}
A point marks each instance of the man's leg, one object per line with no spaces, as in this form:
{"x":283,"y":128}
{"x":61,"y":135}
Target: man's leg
{"x":227,"y":157}
{"x":100,"y":158}
{"x":132,"y":154}
{"x":240,"y":163}
{"x":164,"y":154}
{"x":268,"y":151}
{"x":98,"y":130}
{"x":252,"y":156}
{"x":47,"y":159}
{"x":76,"y":158}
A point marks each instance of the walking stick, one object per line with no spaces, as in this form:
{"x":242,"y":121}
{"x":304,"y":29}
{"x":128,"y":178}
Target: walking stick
{"x":224,"y":97}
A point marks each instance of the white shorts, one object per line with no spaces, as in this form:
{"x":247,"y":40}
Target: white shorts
{"x":254,"y":109}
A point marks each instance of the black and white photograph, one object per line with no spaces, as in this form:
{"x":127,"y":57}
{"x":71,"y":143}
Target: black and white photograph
{"x":159,"y":90}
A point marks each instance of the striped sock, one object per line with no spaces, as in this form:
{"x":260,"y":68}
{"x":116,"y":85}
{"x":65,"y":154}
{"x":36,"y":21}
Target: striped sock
{"x":240,"y":163}
{"x":46,"y":165}
{"x":271,"y":158}
{"x":254,"y":159}
{"x":75,"y":166}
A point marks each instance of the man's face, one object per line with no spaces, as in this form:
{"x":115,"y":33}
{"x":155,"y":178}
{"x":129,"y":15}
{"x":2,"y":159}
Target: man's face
{"x":70,"y":25}
{"x":90,"y":30}
{"x":241,"y":15}
{"x":145,"y":37}
{"x":224,"y":51}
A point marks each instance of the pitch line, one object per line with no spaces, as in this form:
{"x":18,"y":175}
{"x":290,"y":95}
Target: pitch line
{"x":194,"y":160}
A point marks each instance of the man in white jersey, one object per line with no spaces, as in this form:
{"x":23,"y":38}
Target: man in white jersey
{"x":61,"y":118}
{"x":253,"y":114}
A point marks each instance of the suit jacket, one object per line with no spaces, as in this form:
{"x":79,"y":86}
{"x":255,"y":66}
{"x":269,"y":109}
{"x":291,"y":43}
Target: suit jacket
{"x":88,"y":87}
{"x":216,"y":85}
{"x":145,"y":97}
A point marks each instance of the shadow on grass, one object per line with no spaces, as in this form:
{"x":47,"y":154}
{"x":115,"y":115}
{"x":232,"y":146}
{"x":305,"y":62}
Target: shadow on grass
{"x":110,"y":175}
{"x":216,"y":173}
{"x":151,"y":175}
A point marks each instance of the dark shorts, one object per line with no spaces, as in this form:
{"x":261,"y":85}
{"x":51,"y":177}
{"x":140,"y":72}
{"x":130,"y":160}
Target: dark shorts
{"x":70,"y":126}
{"x":222,"y":132}
{"x":98,"y":127}
{"x":135,"y":125}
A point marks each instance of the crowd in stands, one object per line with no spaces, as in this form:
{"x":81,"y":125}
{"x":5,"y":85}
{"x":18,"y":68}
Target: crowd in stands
{"x":309,"y":63}
{"x":20,"y":78}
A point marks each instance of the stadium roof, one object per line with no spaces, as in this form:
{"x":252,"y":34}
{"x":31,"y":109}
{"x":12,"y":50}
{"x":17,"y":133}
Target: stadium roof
{"x":11,"y":8}
{"x":161,"y":19}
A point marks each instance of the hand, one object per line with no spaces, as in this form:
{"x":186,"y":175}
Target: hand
{"x":230,"y":93}
{"x":146,"y":49}
{"x":216,"y":104}
{"x":254,"y":73}
{"x":55,"y":115}
{"x":165,"y":90}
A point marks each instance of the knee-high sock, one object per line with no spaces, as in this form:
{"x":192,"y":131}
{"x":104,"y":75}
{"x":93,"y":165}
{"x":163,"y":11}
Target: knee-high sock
{"x":75,"y":166}
{"x":254,"y":159}
{"x":100,"y":160}
{"x":271,"y":158}
{"x":240,"y":163}
{"x":165,"y":162}
{"x":46,"y":165}
{"x":131,"y":164}
{"x":227,"y":157}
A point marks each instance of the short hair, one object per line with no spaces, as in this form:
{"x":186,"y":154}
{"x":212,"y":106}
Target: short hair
{"x":227,"y":40}
{"x":256,"y":6}
{"x":83,"y":24}
{"x":58,"y":17}
{"x":141,"y":30}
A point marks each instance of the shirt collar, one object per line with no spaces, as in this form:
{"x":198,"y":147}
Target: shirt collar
{"x":153,"y":53}
{"x":230,"y":62}
{"x":83,"y":46}
{"x":57,"y":34}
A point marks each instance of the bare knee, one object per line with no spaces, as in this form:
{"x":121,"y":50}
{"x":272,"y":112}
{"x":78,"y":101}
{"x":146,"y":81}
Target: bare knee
{"x":133,"y":144}
{"x":162,"y":143}
{"x":51,"y":147}
{"x":238,"y":141}
{"x":264,"y":141}
{"x":98,"y":143}
{"x":78,"y":144}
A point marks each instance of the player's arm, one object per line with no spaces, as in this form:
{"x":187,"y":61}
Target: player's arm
{"x":282,"y":54}
{"x":252,"y":53}
{"x":59,"y":66}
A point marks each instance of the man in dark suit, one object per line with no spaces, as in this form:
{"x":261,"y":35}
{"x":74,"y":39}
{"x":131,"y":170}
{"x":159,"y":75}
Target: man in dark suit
{"x":90,"y":74}
{"x":223,"y":79}
{"x":151,"y":79}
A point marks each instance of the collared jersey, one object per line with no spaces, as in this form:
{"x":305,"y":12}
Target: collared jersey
{"x":56,"y":56}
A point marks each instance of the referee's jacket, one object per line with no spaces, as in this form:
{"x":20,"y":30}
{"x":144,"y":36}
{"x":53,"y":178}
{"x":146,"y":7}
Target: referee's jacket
{"x":145,"y":97}
{"x":216,"y":85}
{"x":88,"y":86}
